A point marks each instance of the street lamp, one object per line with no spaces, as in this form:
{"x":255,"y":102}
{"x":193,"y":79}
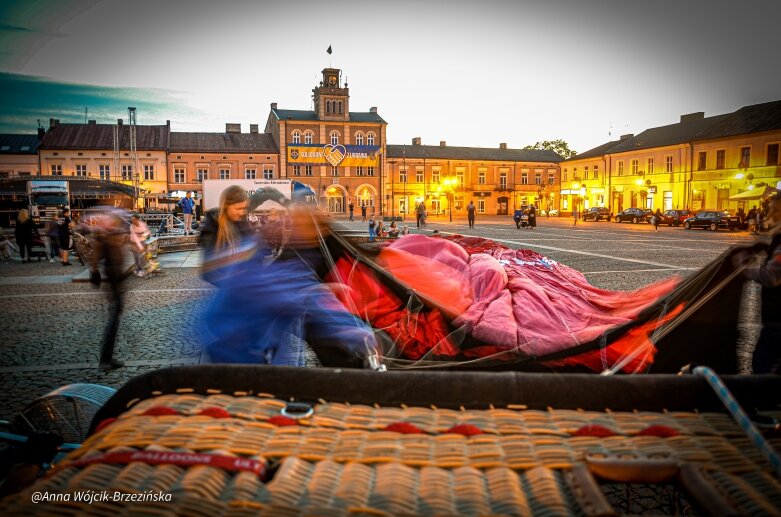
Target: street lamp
{"x":450,"y":183}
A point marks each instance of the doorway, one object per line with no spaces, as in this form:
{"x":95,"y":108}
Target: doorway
{"x":502,"y":206}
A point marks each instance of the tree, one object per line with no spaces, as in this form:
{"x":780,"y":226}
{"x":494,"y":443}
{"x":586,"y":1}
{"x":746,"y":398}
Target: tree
{"x":559,"y":147}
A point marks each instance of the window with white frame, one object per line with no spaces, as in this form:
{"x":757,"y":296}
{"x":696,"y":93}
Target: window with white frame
{"x":268,"y":174}
{"x":225,"y":173}
{"x":308,"y":137}
{"x":564,"y":176}
{"x":620,"y":168}
{"x":250,"y":173}
{"x":81,"y":170}
{"x":402,"y":175}
{"x":104,"y":171}
{"x":359,"y":171}
{"x":358,"y":138}
{"x":481,"y":206}
{"x":334,"y":136}
{"x":127,"y":172}
{"x":596,"y":172}
{"x":149,"y":172}
{"x":370,"y":171}
{"x":296,"y":137}
{"x":334,"y":171}
{"x":481,"y":175}
{"x":524,"y":177}
{"x":668,"y":163}
{"x":503,"y":180}
{"x":296,"y":170}
{"x":649,"y":165}
{"x":538,"y":178}
{"x":419,"y":175}
{"x":460,"y":172}
{"x":635,"y":167}
{"x":370,"y":138}
{"x":56,"y":169}
{"x":201,"y":174}
{"x":551,"y":178}
{"x":585,"y":172}
{"x":178,"y":174}
{"x":435,"y":176}
{"x":307,"y":170}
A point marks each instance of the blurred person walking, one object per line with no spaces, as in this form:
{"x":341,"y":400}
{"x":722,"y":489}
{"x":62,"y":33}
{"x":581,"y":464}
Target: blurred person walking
{"x":53,"y":233}
{"x":24,"y":232}
{"x":108,"y":240}
{"x":139,"y":233}
{"x":657,"y":219}
{"x":351,"y":208}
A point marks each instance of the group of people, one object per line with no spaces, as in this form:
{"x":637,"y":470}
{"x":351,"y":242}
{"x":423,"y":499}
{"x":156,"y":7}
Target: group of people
{"x":525,"y":217}
{"x":351,"y":210}
{"x":59,"y":233}
{"x":378,"y":229}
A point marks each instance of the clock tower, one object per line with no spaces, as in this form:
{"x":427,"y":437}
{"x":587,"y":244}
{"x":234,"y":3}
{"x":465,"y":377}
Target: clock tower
{"x":331,"y":99}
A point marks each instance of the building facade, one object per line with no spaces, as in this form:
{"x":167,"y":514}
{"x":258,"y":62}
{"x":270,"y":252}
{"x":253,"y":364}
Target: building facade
{"x":19,"y":155}
{"x":103,"y":152}
{"x":339,"y":153}
{"x":194,"y":157}
{"x":447,"y":178}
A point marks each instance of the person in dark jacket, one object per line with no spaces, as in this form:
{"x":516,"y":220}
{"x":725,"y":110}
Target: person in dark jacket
{"x":108,"y":240}
{"x":532,"y":217}
{"x":657,"y":219}
{"x":767,"y":272}
{"x":24,"y":232}
{"x":64,"y":226}
{"x":517,"y":216}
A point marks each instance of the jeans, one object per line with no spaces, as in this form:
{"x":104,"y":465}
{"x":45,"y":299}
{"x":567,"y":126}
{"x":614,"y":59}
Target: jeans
{"x":54,"y":248}
{"x":112,"y":328}
{"x":372,"y":233}
{"x":188,"y":223}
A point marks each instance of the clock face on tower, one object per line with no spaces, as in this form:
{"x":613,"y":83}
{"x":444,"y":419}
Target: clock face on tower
{"x":332,"y":80}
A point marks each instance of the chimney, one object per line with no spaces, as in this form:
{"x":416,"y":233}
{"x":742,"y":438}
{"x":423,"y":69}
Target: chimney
{"x":253,"y":128}
{"x":691,"y":117}
{"x":92,"y":122}
{"x":119,"y":121}
{"x":273,"y":105}
{"x":53,"y":122}
{"x":503,"y":145}
{"x":442,"y":143}
{"x":627,"y":136}
{"x":168,"y":124}
{"x":416,"y":140}
{"x":232,"y":128}
{"x":373,"y":109}
{"x":41,"y":133}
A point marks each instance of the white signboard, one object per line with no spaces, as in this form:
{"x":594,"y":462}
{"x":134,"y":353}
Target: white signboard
{"x":212,"y":189}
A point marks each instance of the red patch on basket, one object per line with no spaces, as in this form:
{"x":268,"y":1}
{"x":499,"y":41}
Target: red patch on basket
{"x":160,"y":411}
{"x":215,"y":412}
{"x":465,"y":429}
{"x":282,"y":421}
{"x":104,"y":423}
{"x":599,"y":431}
{"x":662,"y":431}
{"x":404,"y":428}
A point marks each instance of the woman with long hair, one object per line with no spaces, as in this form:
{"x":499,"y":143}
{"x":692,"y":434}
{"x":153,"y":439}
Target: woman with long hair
{"x":224,"y":229}
{"x":24,"y":234}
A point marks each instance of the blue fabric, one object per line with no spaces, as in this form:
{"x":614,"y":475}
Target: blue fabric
{"x":187,"y":205}
{"x":259,"y":310}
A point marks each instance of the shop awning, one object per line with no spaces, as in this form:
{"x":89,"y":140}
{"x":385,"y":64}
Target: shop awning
{"x":757,"y":193}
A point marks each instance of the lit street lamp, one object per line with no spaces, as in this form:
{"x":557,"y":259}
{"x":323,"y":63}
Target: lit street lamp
{"x":450,"y":183}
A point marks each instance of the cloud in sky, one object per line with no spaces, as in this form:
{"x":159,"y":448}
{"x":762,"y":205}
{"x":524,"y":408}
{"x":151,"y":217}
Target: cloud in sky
{"x":471,"y":73}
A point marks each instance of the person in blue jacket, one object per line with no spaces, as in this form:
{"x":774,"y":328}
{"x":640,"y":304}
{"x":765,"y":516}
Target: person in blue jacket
{"x":187,"y":204}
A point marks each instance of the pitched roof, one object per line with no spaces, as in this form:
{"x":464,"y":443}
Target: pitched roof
{"x":680,"y":133}
{"x":472,"y":153}
{"x":748,"y":119}
{"x":19,"y":144}
{"x":101,"y":136}
{"x":223,"y":142}
{"x":598,"y":151}
{"x":355,"y":116}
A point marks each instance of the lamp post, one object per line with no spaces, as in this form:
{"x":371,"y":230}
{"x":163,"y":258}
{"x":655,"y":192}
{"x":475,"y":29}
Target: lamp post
{"x":450,"y":183}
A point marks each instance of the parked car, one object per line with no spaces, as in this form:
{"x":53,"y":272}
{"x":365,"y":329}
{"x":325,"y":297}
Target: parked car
{"x":712,"y":220}
{"x":634,"y":215}
{"x":676,"y":217}
{"x":597,"y":213}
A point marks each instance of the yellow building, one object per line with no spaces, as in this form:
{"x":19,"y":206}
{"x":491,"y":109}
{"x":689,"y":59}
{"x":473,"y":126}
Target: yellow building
{"x":585,"y":181}
{"x":443,"y":177}
{"x":103,"y":151}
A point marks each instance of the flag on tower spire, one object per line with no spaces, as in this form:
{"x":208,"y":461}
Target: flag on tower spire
{"x":329,"y":50}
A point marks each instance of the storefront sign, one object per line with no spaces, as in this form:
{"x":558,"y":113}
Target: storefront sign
{"x":481,"y":194}
{"x":334,"y":155}
{"x":652,"y":190}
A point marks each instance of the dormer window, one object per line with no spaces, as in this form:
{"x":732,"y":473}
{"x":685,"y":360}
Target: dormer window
{"x":334,"y":137}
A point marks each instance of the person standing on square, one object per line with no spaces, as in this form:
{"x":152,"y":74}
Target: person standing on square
{"x":187,"y":204}
{"x":351,"y":208}
{"x":470,"y":214}
{"x":363,"y":212}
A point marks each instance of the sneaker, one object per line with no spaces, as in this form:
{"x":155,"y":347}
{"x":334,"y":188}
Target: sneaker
{"x":51,"y":261}
{"x":140,"y":274}
{"x":111,"y":365}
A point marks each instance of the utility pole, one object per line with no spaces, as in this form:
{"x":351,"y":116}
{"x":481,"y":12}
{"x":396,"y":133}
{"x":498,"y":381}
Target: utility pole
{"x":134,"y":152}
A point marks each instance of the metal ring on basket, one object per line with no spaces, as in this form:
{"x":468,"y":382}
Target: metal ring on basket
{"x":297,"y":410}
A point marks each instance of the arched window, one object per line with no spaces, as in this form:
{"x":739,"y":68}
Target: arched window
{"x":340,"y":106}
{"x":296,"y":137}
{"x":328,"y":106}
{"x":370,"y":139}
{"x":334,"y":137}
{"x":308,"y":137}
{"x":359,"y":138}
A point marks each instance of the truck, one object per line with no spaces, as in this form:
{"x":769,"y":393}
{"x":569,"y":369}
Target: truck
{"x":43,"y":198}
{"x":292,"y":190}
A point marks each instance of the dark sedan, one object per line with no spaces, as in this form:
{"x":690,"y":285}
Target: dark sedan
{"x":634,"y":215}
{"x":597,"y":213}
{"x":676,"y":217}
{"x":712,"y":220}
